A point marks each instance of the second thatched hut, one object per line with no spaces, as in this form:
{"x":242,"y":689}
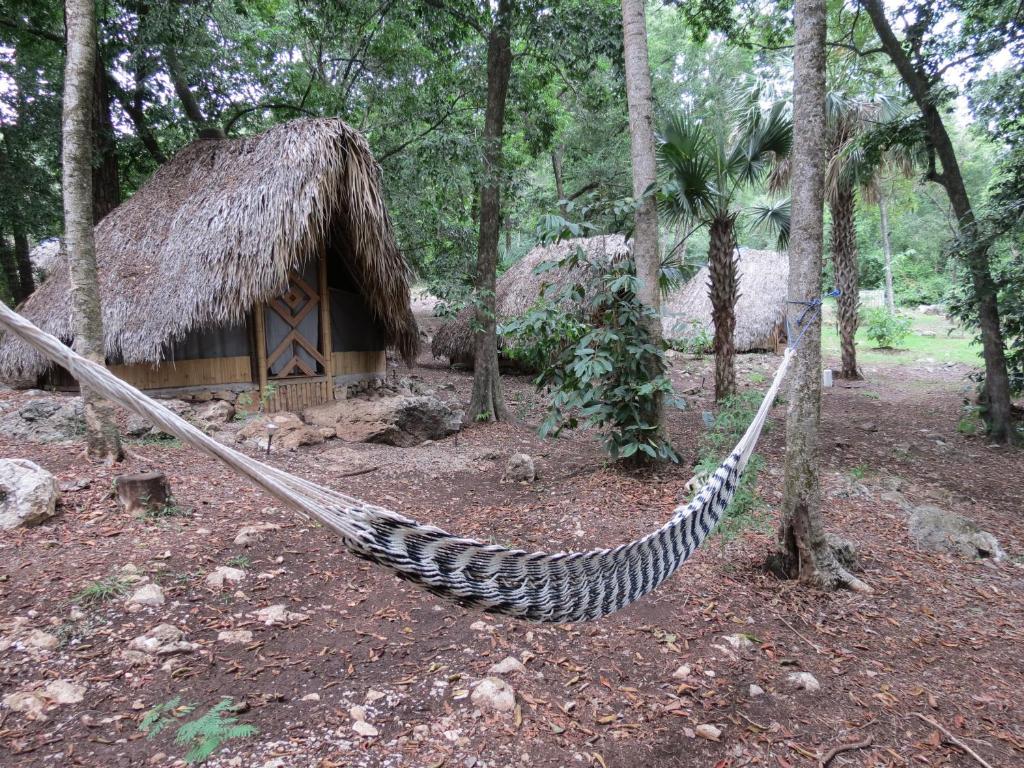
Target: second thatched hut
{"x":760,"y":309}
{"x":521,"y":285}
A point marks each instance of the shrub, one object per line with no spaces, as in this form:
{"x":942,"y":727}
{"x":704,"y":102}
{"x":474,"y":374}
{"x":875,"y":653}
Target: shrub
{"x":599,"y":365}
{"x":885,"y":328}
{"x":917,"y":280}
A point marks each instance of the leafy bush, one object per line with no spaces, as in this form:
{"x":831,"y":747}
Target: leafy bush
{"x":600,"y":365}
{"x":887,"y":329}
{"x":917,"y":280}
{"x":693,"y":338}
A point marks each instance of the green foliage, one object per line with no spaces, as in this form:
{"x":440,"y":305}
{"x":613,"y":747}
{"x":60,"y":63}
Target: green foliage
{"x":240,"y":561}
{"x":600,"y":365}
{"x":692,"y":338}
{"x":101,"y":591}
{"x":204,"y":735}
{"x":887,"y":329}
{"x":916,"y":280}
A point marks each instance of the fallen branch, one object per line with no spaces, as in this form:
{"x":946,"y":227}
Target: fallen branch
{"x":353,"y":473}
{"x":953,"y":739}
{"x":831,"y":754}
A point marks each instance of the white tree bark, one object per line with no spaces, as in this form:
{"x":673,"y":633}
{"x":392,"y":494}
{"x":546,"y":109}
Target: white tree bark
{"x":79,"y":69}
{"x":641,"y":133}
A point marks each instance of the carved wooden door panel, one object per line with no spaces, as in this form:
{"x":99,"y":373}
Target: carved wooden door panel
{"x":293,"y":337}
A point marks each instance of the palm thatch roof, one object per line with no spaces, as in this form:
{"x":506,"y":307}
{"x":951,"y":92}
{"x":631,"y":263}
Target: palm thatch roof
{"x":216,"y":230}
{"x":760,"y":309}
{"x":520,"y":286}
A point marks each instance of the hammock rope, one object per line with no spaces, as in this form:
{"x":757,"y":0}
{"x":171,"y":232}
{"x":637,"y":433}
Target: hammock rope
{"x":536,"y":586}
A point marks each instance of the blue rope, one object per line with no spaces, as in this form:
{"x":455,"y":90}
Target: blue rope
{"x":811,"y":311}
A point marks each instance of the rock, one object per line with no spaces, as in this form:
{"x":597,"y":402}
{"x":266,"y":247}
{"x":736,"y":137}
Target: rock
{"x":867,"y":426}
{"x":143,"y":492}
{"x":311,"y":697}
{"x":216,"y":412}
{"x":226,"y":395}
{"x":520,"y":468}
{"x":42,"y":641}
{"x":495,"y":694}
{"x":252,"y":533}
{"x":277,"y":614}
{"x":937,"y":529}
{"x":45,"y":421}
{"x":755,"y":690}
{"x":737,"y":642}
{"x":357,"y":713}
{"x":28,"y":494}
{"x":163,"y":639}
{"x":931,"y":309}
{"x":135,"y":658}
{"x":235,"y":636}
{"x":403,"y":420}
{"x":804,"y":681}
{"x":289,"y":432}
{"x":682,"y":672}
{"x":708,"y":731}
{"x":508,"y":666}
{"x":481,"y":626}
{"x":136,"y":425}
{"x":224,"y":574}
{"x":374,"y":695}
{"x":34,"y":700}
{"x":363,"y":728}
{"x":147,"y":594}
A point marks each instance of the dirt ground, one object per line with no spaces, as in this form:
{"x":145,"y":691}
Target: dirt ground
{"x":938,"y":639}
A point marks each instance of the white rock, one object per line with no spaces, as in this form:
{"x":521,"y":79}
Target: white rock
{"x":804,"y":681}
{"x":222,"y":574}
{"x":252,"y":533}
{"x":738,"y":642}
{"x":682,"y":673}
{"x":357,"y":713}
{"x":235,"y":636}
{"x":216,"y":412}
{"x":64,"y":692}
{"x":148,"y":594}
{"x":755,"y":690}
{"x":311,"y":697}
{"x":162,"y":639}
{"x":708,"y":731}
{"x":28,"y":493}
{"x":495,"y":694}
{"x":481,"y":626}
{"x":30,"y":703}
{"x":507,"y":666}
{"x":278,"y":614}
{"x":520,"y":469}
{"x":40,"y":640}
{"x":374,"y":695}
{"x":34,"y":700}
{"x":363,"y":728}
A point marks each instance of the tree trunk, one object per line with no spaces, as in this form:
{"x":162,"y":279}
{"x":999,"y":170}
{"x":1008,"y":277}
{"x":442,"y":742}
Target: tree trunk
{"x":79,"y":71}
{"x":998,"y":413}
{"x":23,"y":258}
{"x":10,"y":269}
{"x":641,"y":140}
{"x":883,"y":214}
{"x":723,"y":291}
{"x":106,"y":181}
{"x":844,"y":259}
{"x":556,"y":168}
{"x":805,"y":552}
{"x":204,"y":128}
{"x":488,"y":401}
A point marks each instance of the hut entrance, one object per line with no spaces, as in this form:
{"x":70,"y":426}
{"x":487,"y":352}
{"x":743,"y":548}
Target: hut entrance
{"x":295,"y":341}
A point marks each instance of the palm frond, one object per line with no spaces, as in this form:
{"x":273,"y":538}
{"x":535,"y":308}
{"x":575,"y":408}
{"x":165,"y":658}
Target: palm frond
{"x":774,"y":217}
{"x":685,"y":150}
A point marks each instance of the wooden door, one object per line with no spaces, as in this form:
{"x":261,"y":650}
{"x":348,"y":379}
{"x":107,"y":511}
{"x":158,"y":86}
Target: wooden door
{"x":293,"y":329}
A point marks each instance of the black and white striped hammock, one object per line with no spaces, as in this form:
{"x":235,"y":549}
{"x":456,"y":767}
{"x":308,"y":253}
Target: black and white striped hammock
{"x":536,"y":586}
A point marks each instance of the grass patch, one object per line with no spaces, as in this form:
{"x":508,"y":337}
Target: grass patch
{"x":168,"y":510}
{"x":240,"y":561}
{"x":101,"y":591}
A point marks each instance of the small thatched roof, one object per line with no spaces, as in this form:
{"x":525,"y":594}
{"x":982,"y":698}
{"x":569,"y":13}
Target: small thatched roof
{"x":44,"y":255}
{"x":519,"y":288}
{"x":761,"y":307}
{"x":216,"y":230}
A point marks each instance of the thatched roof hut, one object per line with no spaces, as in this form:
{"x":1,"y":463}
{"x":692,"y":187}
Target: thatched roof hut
{"x":520,"y":286}
{"x":227,"y":236}
{"x":760,"y":309}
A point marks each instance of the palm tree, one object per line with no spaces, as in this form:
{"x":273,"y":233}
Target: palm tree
{"x":708,"y":166}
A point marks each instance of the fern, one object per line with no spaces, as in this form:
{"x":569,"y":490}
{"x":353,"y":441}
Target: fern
{"x":207,"y":733}
{"x":162,"y":715}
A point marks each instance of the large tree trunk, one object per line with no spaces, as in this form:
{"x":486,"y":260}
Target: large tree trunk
{"x":805,"y":552}
{"x":723,"y":291}
{"x":23,"y":258}
{"x":998,"y":415}
{"x":883,"y":215}
{"x":79,"y":72}
{"x":10,"y":269}
{"x":844,"y":259}
{"x":488,"y":401}
{"x":641,"y":141}
{"x":106,"y":181}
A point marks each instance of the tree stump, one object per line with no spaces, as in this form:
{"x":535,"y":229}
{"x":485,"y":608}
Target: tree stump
{"x":144,"y":492}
